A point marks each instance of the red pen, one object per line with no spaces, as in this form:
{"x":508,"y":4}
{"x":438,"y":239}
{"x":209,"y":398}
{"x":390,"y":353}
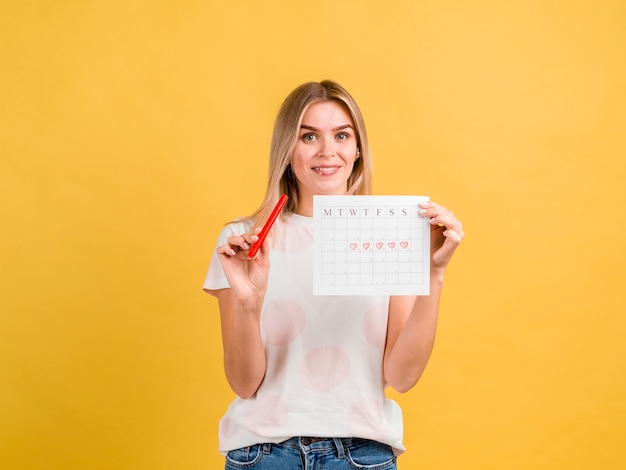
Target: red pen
{"x":268,"y":225}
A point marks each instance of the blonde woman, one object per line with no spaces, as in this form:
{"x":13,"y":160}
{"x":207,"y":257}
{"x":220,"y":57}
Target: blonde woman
{"x":309,"y":371}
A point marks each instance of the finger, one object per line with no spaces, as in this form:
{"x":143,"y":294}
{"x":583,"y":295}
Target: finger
{"x":432,"y":209}
{"x":446,"y":218}
{"x":431,"y":205}
{"x":448,"y":221}
{"x":443,"y":217}
{"x":444,"y":254}
{"x":242,"y":242}
{"x":238,"y":241}
{"x":453,"y":236}
{"x":226,"y":250}
{"x":250,"y":238}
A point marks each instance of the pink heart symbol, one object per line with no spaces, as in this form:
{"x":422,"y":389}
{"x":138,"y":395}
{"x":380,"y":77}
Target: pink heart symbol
{"x":353,"y":246}
{"x":379,"y":245}
{"x":391,"y":245}
{"x":404,"y":244}
{"x":366,"y":246}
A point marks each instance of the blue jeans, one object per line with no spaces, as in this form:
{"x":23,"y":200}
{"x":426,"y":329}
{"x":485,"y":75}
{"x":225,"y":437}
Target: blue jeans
{"x":314,"y":454}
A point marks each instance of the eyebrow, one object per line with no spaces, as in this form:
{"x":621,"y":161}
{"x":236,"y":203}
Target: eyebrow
{"x":311,"y":128}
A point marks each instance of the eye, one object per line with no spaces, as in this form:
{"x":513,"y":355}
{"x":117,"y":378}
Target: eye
{"x":309,"y":137}
{"x":343,"y":136}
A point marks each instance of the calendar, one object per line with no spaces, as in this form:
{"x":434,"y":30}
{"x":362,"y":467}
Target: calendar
{"x":370,"y":245}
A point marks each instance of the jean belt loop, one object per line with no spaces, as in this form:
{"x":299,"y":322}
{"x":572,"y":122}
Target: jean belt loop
{"x":341,"y":452}
{"x":267,"y":448}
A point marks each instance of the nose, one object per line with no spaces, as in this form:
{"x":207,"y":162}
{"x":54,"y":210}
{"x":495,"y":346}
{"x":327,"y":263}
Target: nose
{"x":327,"y":147}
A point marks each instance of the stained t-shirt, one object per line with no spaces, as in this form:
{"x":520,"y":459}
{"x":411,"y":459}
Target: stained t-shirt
{"x":324,"y":354}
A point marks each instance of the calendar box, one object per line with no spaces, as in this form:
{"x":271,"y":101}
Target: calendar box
{"x":370,"y":245}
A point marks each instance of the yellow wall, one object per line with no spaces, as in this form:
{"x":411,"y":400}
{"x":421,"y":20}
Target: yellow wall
{"x":131,"y":130}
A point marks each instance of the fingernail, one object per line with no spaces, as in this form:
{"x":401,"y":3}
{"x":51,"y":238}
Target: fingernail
{"x":424,"y":204}
{"x":422,"y":211}
{"x":246,"y":246}
{"x":232,"y":252}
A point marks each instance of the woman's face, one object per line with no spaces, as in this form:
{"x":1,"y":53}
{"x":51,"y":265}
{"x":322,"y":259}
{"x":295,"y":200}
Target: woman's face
{"x":324,"y":154}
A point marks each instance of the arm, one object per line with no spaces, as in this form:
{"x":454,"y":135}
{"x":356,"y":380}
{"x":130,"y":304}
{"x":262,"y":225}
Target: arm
{"x":413,"y":320}
{"x":240,"y":311}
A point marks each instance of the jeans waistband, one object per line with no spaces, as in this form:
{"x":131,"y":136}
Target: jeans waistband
{"x":310,"y":443}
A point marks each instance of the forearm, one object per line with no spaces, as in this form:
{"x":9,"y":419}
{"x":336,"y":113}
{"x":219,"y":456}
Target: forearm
{"x":411,"y":328}
{"x":406,"y":361}
{"x":244,"y":354}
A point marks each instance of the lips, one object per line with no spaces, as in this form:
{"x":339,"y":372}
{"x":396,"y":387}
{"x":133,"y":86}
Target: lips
{"x":325,"y":170}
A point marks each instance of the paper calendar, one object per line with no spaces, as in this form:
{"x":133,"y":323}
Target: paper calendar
{"x":370,"y":245}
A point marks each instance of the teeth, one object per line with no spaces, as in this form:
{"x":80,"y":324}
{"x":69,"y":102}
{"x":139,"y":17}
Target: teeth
{"x":325,"y":170}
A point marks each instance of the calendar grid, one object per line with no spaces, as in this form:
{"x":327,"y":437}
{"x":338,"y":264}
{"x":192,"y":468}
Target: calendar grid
{"x":370,"y":244}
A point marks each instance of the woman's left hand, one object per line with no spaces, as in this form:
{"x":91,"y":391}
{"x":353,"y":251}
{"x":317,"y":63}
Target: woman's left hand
{"x":446,"y":232}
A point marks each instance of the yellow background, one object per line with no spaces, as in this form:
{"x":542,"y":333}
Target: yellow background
{"x":130,"y":131}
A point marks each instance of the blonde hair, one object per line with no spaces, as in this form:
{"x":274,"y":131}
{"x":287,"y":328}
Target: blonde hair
{"x":284,"y":138}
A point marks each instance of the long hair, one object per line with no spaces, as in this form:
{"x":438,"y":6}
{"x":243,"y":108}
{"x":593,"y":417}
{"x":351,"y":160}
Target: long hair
{"x":286,"y":128}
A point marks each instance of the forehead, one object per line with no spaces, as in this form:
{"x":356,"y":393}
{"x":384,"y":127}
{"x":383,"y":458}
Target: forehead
{"x":330,"y":112}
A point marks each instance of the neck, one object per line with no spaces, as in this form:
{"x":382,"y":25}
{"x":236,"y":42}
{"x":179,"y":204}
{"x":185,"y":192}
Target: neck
{"x":305,"y":208}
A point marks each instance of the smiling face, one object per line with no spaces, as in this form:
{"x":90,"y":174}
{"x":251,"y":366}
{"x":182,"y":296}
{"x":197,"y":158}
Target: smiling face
{"x":324,"y":154}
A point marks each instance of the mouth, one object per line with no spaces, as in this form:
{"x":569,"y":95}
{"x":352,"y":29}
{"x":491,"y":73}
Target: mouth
{"x":325,"y":170}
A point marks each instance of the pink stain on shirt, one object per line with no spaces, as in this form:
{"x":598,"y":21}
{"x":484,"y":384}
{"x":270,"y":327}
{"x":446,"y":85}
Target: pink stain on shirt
{"x":267,"y":415}
{"x":283,"y":321}
{"x":324,"y":368}
{"x":374,"y":327}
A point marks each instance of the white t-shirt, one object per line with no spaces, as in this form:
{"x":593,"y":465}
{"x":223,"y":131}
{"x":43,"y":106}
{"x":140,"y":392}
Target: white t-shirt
{"x":324,"y":375}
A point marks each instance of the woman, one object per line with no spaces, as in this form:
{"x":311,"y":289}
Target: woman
{"x":310,"y":371}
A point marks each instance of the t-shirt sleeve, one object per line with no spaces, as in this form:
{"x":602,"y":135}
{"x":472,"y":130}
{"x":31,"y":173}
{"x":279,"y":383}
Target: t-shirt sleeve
{"x":215,"y":278}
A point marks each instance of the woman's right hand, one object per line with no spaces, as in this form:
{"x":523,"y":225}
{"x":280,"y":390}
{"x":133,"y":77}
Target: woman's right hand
{"x":247,"y":277}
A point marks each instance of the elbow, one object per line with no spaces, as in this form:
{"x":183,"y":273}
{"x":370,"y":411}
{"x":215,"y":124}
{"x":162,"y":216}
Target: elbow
{"x":243,"y":391}
{"x":244,"y":379}
{"x":402,"y":383}
{"x":244,"y":386}
{"x":403,"y":386}
{"x":245,"y":394}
